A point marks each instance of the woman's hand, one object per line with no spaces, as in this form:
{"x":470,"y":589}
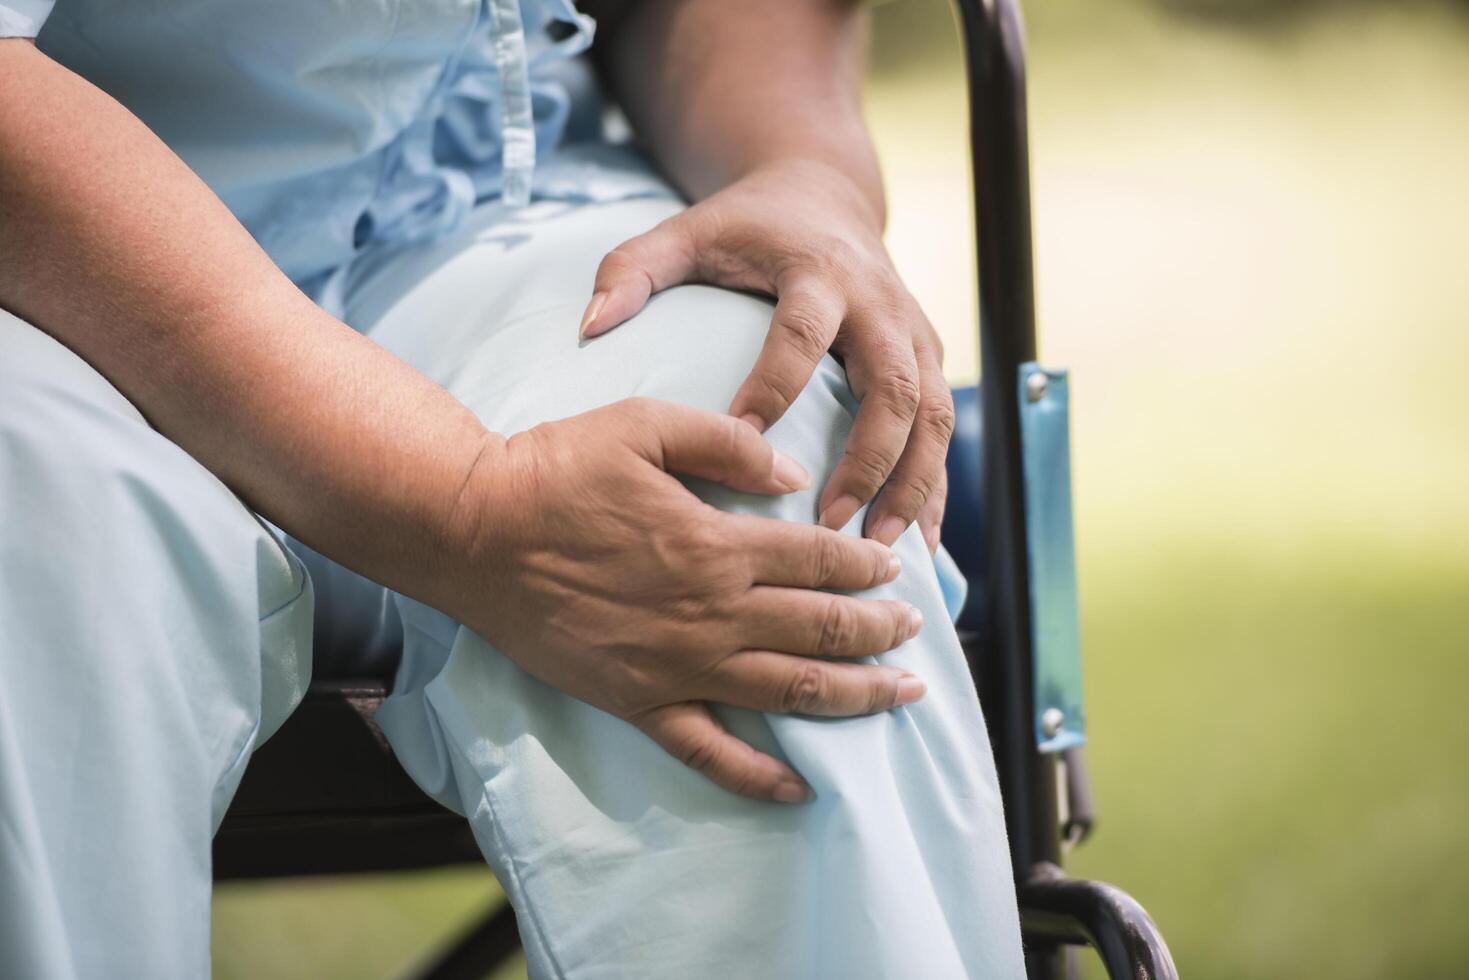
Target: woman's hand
{"x":601,"y":574}
{"x":805,"y":234}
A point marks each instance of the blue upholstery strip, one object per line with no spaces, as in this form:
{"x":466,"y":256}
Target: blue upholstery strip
{"x":1045,"y":440}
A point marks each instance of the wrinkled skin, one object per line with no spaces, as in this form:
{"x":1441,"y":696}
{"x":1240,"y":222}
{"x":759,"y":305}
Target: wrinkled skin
{"x":805,"y":234}
{"x":641,"y":599}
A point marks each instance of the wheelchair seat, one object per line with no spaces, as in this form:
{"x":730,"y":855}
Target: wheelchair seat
{"x":325,"y":796}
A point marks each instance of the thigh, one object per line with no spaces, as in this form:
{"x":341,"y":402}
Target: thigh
{"x":114,"y":532}
{"x":152,"y":632}
{"x":620,"y":860}
{"x":493,"y":316}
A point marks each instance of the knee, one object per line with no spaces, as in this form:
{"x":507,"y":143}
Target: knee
{"x":696,"y":345}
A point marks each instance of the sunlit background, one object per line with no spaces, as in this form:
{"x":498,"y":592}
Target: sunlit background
{"x":1252,"y":227}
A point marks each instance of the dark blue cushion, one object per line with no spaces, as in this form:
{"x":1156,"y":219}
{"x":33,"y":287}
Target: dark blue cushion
{"x":963,"y":531}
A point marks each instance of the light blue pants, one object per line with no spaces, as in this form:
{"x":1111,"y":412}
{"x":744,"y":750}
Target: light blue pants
{"x":153,"y":632}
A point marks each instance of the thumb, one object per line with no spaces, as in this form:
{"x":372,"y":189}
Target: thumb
{"x":633,"y":271}
{"x":721,"y":448}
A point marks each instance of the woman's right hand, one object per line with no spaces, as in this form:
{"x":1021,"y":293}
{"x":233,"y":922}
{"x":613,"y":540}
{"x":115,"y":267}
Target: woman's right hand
{"x":601,"y":574}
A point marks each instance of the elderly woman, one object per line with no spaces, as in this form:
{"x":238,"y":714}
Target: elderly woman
{"x":350,"y":325}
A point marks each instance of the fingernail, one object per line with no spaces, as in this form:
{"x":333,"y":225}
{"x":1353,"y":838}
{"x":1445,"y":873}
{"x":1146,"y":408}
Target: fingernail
{"x":789,"y":473}
{"x":839,"y":512}
{"x":894,"y":567}
{"x":888,"y":530}
{"x":931,"y":538}
{"x":750,"y":418}
{"x":593,"y":308}
{"x":910,"y":689}
{"x":789,"y":792}
{"x":915,"y":621}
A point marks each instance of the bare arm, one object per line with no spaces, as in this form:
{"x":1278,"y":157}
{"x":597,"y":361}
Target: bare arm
{"x":719,"y":89}
{"x":112,"y":245}
{"x":754,"y":108}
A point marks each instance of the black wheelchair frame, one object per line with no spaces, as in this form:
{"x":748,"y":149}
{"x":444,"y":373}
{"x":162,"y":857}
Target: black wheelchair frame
{"x":1056,"y":911}
{"x":325,"y":795}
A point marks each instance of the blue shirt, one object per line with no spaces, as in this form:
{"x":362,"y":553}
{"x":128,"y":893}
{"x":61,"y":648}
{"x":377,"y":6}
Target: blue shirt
{"x":337,"y":126}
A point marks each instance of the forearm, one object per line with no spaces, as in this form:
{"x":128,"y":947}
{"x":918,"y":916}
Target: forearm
{"x":113,"y":246}
{"x":718,"y":89}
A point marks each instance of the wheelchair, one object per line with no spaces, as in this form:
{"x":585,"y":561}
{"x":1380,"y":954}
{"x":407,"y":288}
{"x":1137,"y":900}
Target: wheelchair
{"x":326,"y":796}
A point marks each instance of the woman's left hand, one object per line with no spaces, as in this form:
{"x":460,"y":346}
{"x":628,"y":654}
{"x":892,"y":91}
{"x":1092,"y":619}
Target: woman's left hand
{"x":803,"y":232}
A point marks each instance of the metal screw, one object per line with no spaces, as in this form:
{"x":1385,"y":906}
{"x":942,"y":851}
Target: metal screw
{"x":1036,"y":386}
{"x":1052,"y":721}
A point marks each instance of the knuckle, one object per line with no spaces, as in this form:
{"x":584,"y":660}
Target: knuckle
{"x":701,"y":753}
{"x":806,"y":330}
{"x":885,"y":306}
{"x":899,"y":615}
{"x":839,"y":631}
{"x":826,"y":560}
{"x":704,"y":544}
{"x":871,"y":465}
{"x":837,"y":256}
{"x":638,"y":409}
{"x":729,"y":436}
{"x":828,"y":260}
{"x":881,"y":561}
{"x":805,"y":690}
{"x":906,"y":497}
{"x":681,"y":612}
{"x":621,"y":265}
{"x":936,"y":416}
{"x":624,"y":258}
{"x":900,"y":391}
{"x":885,"y":278}
{"x":778,"y":390}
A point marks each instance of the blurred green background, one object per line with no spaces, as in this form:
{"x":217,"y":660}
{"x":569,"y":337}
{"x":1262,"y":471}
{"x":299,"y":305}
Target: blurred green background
{"x":1252,"y":224}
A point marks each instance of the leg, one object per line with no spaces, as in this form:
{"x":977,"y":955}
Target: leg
{"x":622,"y":862}
{"x":154,"y":632}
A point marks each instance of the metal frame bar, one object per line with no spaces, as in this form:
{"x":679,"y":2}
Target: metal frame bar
{"x":1055,"y":911}
{"x":998,"y":146}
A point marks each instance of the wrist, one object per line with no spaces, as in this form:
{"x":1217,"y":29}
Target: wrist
{"x":472,"y":507}
{"x":469,"y":521}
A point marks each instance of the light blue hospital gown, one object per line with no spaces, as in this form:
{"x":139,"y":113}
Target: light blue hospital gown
{"x":153,"y":632}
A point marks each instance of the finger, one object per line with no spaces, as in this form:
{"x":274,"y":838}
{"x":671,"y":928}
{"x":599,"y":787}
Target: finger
{"x":633,"y":271}
{"x":787,"y":685}
{"x":921,"y":467}
{"x":690,"y":733}
{"x":820,"y":624}
{"x":804,"y":556}
{"x":698,"y":442}
{"x":884,"y":377}
{"x":808,"y":314}
{"x":931,"y":517}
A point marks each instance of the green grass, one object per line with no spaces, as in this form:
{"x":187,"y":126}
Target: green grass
{"x":1250,"y":250}
{"x":359,"y":927}
{"x":1275,"y":754}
